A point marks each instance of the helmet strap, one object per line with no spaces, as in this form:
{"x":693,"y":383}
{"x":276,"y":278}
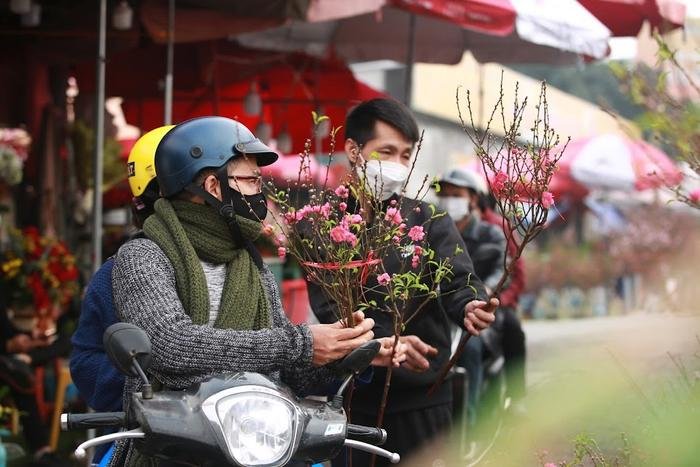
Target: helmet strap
{"x":225,"y":210}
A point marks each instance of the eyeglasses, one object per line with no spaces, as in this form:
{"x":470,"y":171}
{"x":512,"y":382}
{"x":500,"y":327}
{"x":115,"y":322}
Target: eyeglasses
{"x":248,"y":180}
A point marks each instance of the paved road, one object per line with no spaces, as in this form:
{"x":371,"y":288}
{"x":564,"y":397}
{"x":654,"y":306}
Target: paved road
{"x":584,"y":376}
{"x":639,"y":342}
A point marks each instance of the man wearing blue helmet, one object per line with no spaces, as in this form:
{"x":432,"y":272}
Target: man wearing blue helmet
{"x":196,"y":284}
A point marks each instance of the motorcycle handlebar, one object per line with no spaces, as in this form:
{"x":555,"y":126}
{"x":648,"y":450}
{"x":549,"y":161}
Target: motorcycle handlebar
{"x":367,"y":434}
{"x":92,"y":420}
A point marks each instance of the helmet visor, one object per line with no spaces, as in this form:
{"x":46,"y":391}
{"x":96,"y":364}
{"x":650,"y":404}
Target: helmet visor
{"x":256,"y":148}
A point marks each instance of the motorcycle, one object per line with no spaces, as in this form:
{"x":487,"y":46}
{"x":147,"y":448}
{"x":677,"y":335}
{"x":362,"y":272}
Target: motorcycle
{"x":243,"y":418}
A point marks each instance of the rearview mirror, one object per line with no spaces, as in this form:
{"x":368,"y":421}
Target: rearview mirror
{"x":125,"y":344}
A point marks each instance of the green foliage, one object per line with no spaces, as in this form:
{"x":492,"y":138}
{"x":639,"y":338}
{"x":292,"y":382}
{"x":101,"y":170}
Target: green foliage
{"x":83,"y":137}
{"x":667,"y":119}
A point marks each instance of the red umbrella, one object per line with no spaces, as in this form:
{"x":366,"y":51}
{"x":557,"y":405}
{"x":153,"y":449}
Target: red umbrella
{"x":615,"y":162}
{"x":199,"y":20}
{"x":625,"y":17}
{"x":444,"y":29}
{"x":496,"y":17}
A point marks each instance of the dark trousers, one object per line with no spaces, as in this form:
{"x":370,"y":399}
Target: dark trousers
{"x":407,"y":432}
{"x":514,"y":353}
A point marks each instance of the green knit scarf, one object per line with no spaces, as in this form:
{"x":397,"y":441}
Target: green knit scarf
{"x":188,"y":232}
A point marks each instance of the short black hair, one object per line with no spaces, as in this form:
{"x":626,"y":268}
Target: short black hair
{"x":359,"y":124}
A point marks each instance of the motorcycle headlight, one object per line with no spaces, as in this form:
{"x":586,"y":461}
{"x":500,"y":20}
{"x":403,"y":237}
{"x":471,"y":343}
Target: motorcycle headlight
{"x":257,"y":426}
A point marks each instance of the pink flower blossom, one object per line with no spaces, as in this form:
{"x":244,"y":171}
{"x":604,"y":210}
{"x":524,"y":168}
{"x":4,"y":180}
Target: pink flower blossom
{"x":340,"y":234}
{"x":343,"y":206}
{"x":384,"y":279}
{"x":499,"y":182}
{"x":416,"y":233}
{"x":694,"y":195}
{"x":326,"y":210}
{"x":290,"y":218}
{"x":342,"y":191}
{"x":415,"y":261}
{"x":547,"y":199}
{"x":417,"y":250}
{"x":281,"y":239}
{"x":396,"y":239}
{"x":393,"y":215}
{"x":282,"y":252}
{"x":355,"y":219}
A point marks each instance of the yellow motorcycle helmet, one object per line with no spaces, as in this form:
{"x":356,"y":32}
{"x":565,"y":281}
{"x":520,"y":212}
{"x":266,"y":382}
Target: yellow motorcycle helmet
{"x":141,"y":163}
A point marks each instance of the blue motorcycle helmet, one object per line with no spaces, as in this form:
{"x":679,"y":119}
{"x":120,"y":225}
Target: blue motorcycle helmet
{"x":204,"y":143}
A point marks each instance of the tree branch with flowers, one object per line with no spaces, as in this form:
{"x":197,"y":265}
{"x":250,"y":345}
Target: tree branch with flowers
{"x":519,"y":171}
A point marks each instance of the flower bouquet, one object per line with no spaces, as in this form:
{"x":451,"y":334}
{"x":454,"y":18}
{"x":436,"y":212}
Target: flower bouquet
{"x":363,"y":244}
{"x":14,"y":145}
{"x":340,"y":236}
{"x":37,"y":273}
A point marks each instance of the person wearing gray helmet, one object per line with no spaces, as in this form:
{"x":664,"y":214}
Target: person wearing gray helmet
{"x":459,"y":197}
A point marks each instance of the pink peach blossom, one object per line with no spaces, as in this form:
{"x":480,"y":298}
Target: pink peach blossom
{"x":326,"y":210}
{"x":341,"y":234}
{"x":547,"y":199}
{"x":282,"y":252}
{"x":355,"y":219}
{"x":342,"y":206}
{"x":499,"y":181}
{"x":393,"y":215}
{"x":694,"y":195}
{"x":416,"y":233}
{"x":384,"y":279}
{"x":342,"y":191}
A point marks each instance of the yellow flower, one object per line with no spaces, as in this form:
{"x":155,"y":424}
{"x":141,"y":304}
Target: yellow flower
{"x":11,"y":268}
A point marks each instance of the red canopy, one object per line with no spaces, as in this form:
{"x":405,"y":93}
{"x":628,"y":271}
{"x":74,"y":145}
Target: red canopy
{"x":214,"y":78}
{"x":625,"y":17}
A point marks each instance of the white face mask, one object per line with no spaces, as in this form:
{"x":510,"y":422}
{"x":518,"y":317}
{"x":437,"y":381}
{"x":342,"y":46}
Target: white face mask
{"x":384,"y":176}
{"x":455,"y":206}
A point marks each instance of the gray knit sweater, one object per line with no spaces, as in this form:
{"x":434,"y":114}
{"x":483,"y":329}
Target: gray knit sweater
{"x":145,"y":294}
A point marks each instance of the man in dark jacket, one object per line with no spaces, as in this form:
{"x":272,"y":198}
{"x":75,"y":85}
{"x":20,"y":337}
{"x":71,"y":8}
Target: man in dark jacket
{"x":387,"y":131}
